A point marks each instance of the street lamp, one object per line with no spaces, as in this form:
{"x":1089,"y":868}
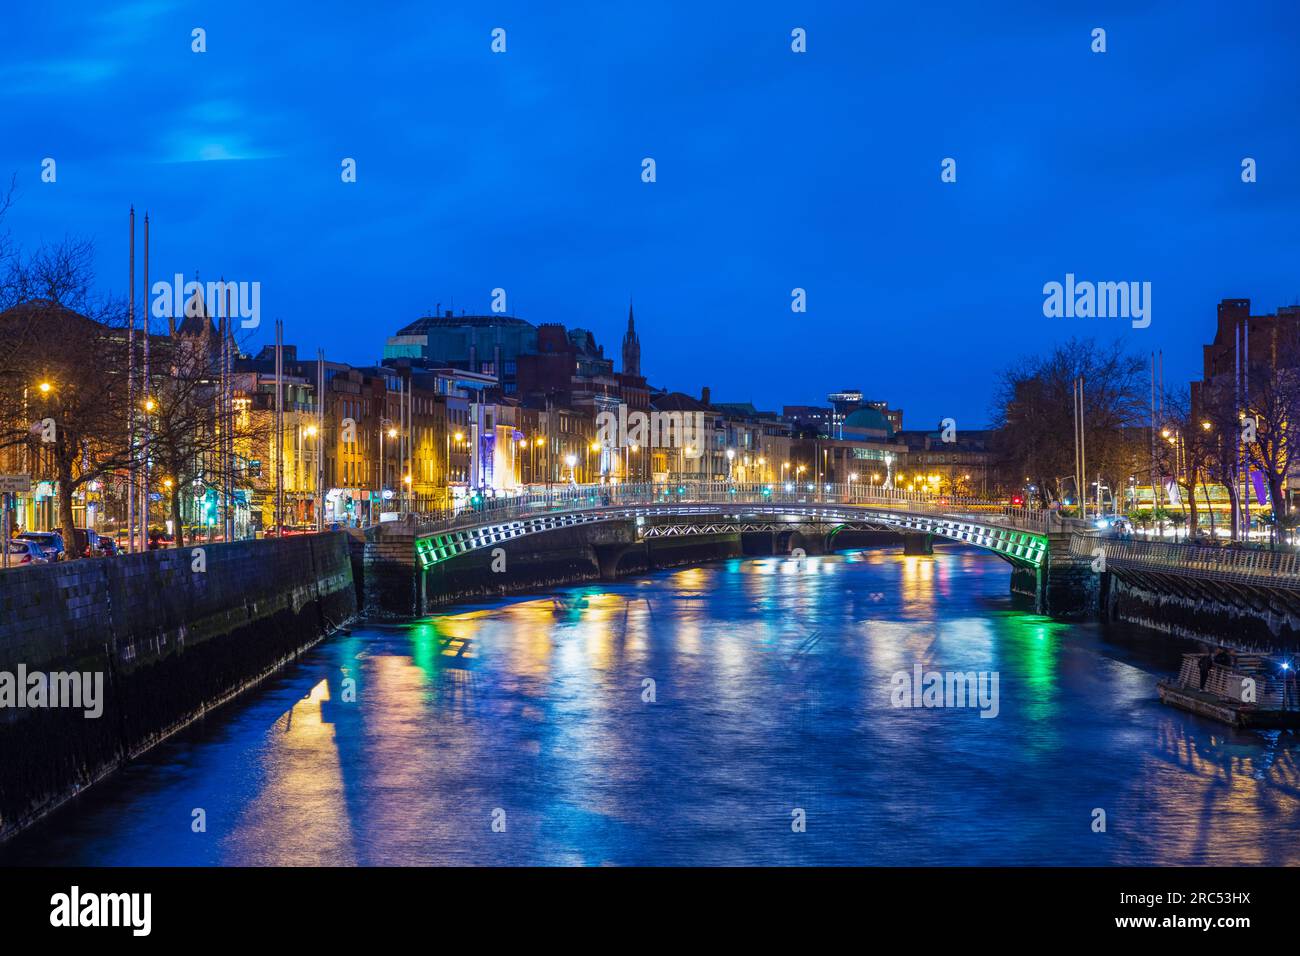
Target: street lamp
{"x":446,"y":477}
{"x":571,"y":461}
{"x":383,"y":461}
{"x":731,"y":457}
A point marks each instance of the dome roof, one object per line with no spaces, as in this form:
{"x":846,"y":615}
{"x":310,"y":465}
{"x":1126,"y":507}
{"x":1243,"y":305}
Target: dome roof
{"x":869,"y":419}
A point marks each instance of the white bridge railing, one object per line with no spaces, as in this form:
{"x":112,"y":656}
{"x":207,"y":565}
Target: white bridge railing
{"x":1235,"y":565}
{"x":570,"y":498}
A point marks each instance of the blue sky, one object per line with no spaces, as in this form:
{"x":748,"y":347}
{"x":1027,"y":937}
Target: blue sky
{"x":775,"y":170}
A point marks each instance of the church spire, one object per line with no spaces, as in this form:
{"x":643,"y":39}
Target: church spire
{"x":631,"y":346}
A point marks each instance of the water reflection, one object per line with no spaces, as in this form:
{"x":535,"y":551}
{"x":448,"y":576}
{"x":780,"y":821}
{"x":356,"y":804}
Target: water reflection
{"x":680,"y":718}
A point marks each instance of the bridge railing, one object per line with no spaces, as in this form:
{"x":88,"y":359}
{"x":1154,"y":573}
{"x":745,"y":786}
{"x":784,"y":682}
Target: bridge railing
{"x":569,"y":498}
{"x":1236,"y":565}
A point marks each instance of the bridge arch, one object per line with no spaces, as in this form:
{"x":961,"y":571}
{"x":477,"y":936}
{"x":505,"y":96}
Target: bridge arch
{"x":1017,"y":536}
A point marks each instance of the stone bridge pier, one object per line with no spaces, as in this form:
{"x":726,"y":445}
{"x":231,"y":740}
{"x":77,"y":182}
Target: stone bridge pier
{"x":918,"y":544}
{"x":1064,"y":585}
{"x":607,"y":558}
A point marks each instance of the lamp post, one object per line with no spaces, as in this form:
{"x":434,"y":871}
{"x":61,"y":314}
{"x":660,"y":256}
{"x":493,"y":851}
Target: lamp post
{"x":385,"y":427}
{"x":731,"y":458}
{"x":149,"y":406}
{"x":446,"y":477}
{"x":571,"y":461}
{"x":311,"y":433}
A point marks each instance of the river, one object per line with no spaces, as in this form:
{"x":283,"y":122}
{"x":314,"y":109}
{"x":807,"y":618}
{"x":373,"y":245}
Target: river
{"x":519,"y":733}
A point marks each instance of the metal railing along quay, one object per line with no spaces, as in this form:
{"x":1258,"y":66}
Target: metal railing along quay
{"x":1233,"y":565}
{"x":570,"y":498}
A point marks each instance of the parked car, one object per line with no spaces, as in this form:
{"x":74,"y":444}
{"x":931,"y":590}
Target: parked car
{"x":25,"y":552}
{"x":50,"y":542}
{"x":87,"y":543}
{"x":107,"y":546}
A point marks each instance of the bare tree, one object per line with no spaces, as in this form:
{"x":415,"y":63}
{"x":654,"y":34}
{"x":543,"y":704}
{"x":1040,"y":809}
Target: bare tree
{"x":1271,"y":426}
{"x":63,"y":390}
{"x":1261,"y":426}
{"x":6,"y":244}
{"x":186,"y":423}
{"x":1185,"y":449}
{"x":1035,"y":419}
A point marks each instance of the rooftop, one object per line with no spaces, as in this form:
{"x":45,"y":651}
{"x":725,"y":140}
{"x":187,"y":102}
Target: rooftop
{"x":448,"y":321}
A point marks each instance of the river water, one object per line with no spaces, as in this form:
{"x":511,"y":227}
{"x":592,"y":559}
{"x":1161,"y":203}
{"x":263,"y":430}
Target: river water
{"x":519,"y":733}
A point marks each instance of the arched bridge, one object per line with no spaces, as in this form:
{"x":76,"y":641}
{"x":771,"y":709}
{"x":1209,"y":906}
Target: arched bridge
{"x":1017,"y":534}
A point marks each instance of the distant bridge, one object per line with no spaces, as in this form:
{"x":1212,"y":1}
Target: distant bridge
{"x":1020,"y":535}
{"x":1247,"y":599}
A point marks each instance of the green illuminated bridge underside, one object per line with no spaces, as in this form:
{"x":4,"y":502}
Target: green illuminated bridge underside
{"x":1017,"y":534}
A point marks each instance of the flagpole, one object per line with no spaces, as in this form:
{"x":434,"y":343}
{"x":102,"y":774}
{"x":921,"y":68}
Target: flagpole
{"x":144,"y":394}
{"x":130,"y":400}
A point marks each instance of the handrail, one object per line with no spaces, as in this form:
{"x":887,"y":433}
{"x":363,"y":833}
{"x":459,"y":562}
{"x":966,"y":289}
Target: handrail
{"x":573,"y":498}
{"x":1238,"y":565}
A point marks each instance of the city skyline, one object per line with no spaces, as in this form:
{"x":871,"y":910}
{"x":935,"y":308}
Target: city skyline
{"x":747,"y":435}
{"x":478,"y":170}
